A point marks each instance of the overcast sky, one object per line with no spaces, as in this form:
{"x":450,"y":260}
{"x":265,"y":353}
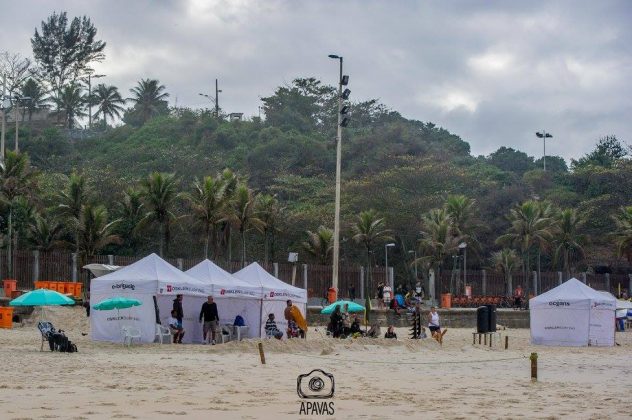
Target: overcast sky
{"x":493,"y":72}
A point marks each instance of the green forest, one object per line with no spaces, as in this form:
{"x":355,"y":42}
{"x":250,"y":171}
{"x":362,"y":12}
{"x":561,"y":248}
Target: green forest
{"x":148,"y":177}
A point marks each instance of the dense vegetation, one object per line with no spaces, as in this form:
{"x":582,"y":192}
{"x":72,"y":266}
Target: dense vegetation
{"x":190,"y":183}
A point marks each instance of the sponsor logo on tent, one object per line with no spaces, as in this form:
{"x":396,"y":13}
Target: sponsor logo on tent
{"x":124,"y":286}
{"x":169,"y":288}
{"x":236,"y":292}
{"x":284,"y":294}
{"x":559,"y":303}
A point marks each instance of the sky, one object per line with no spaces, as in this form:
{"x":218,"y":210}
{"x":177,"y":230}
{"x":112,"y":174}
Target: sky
{"x":492,"y":72}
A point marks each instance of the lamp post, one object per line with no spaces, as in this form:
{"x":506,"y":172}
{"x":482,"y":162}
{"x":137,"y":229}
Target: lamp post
{"x":4,"y":119}
{"x":90,"y":77}
{"x":414,"y":252}
{"x":214,"y":98}
{"x":544,"y":135}
{"x":463,"y":246}
{"x":342,"y":80}
{"x":386,"y":247}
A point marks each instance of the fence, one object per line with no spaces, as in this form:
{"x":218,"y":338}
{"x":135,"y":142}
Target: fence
{"x":29,"y":266}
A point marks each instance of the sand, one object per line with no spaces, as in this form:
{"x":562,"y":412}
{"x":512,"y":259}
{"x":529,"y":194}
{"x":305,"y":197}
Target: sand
{"x":374,"y":379}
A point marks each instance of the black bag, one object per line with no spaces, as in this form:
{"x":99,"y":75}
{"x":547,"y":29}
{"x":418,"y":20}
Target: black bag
{"x":59,"y":342}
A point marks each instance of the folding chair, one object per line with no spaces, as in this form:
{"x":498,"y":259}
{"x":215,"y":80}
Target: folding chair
{"x":129,"y":334}
{"x":240,"y":330}
{"x":46,"y":329}
{"x":162,"y":332}
{"x":229,"y":330}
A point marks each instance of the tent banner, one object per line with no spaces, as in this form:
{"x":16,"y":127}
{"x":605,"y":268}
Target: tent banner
{"x":120,"y":287}
{"x":181,"y":288}
{"x":236,"y":292}
{"x":285,"y":295}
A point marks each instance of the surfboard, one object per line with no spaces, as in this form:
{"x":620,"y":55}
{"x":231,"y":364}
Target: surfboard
{"x":299,"y":318}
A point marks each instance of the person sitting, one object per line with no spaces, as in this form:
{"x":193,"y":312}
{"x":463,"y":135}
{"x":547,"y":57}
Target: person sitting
{"x":336,"y":322}
{"x":395,"y":307}
{"x":175,"y":327}
{"x":374,"y":332}
{"x":346,"y":322}
{"x":292,"y":326}
{"x":271,"y":328}
{"x":355,"y":327}
{"x":390,"y":333}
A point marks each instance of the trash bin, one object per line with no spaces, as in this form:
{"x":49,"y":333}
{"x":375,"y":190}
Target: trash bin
{"x":482,"y":319}
{"x":491,"y":314}
{"x":9,"y":286}
{"x":331,"y":295}
{"x":6,"y":317}
{"x":446,"y":300}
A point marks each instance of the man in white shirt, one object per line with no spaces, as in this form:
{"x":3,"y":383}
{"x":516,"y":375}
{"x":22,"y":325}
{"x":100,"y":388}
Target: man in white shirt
{"x":175,"y":327}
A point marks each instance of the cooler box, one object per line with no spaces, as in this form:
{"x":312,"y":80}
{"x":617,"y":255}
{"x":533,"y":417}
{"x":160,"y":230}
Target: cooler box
{"x":78,"y":287}
{"x":9,"y":286}
{"x":69,"y":289}
{"x":52,"y":285}
{"x":41,"y":284}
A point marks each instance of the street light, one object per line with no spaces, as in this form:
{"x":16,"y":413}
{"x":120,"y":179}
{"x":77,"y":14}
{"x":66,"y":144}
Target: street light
{"x":463,"y":246}
{"x":386,"y":247}
{"x":216,"y":99}
{"x":90,"y":77}
{"x":343,"y":80}
{"x":544,"y":135}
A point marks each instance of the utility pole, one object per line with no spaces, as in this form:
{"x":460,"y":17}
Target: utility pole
{"x":4,"y":119}
{"x":334,"y":280}
{"x":544,"y":135}
{"x":217,"y":91}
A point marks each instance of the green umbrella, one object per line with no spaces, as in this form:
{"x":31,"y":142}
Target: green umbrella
{"x":353,"y":307}
{"x":42,"y":297}
{"x":116,"y":303}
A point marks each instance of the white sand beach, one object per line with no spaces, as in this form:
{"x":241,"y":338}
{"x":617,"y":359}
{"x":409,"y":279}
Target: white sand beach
{"x":374,"y":378}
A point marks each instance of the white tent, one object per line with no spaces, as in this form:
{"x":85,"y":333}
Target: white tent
{"x":232,"y":296}
{"x":155,"y":283}
{"x":99,"y":270}
{"x":572,"y":314}
{"x":275,"y":294}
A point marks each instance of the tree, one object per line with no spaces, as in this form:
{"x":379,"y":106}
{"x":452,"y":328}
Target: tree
{"x":369,"y":229}
{"x":17,"y":180}
{"x":269,"y":212}
{"x":567,"y":239}
{"x":45,"y":233}
{"x":71,"y":101}
{"x":159,"y":192}
{"x":506,"y":261}
{"x":511,"y":160}
{"x":71,"y":201}
{"x":65,"y":52}
{"x":623,"y":232}
{"x":208,"y":204}
{"x":108,"y":101}
{"x":462,"y":212}
{"x":242,"y":215}
{"x":16,"y":70}
{"x":95,"y":232}
{"x":131,"y":212}
{"x":608,"y":151}
{"x":149,"y":98}
{"x":33,"y":90}
{"x":320,"y":244}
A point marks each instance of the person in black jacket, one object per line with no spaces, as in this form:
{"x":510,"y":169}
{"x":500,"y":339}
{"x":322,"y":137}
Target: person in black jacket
{"x":177,"y":306}
{"x":211,"y":319}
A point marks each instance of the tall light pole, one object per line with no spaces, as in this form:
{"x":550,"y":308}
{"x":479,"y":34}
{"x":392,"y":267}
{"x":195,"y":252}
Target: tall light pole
{"x":217,"y":91}
{"x":414,"y":252}
{"x":544,"y":135}
{"x":342,"y":80}
{"x":90,"y":77}
{"x":4,"y":119}
{"x":386,"y":247}
{"x":463,"y":246}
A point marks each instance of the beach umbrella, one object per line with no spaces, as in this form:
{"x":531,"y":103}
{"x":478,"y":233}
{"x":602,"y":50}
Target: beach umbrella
{"x":116,"y":302}
{"x":353,"y":307}
{"x":42,"y":297}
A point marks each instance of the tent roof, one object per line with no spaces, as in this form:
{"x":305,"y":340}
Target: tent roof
{"x":209,"y":272}
{"x":256,"y":275}
{"x":152,"y":267}
{"x":572,"y":289}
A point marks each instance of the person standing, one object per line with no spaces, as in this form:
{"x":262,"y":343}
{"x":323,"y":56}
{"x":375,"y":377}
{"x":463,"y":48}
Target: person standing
{"x":177,"y":306}
{"x":518,"y":294}
{"x":380,"y":295}
{"x":433,"y":322}
{"x":209,"y":314}
{"x":293,"y":330}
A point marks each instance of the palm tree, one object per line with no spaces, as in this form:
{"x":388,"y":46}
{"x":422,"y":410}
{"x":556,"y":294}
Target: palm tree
{"x":242,"y":215}
{"x":506,"y":261}
{"x":159,"y":192}
{"x":71,"y":201}
{"x":439,"y":239}
{"x":95,"y":232}
{"x":320,"y":244}
{"x":131,"y":212}
{"x":623,"y":234}
{"x":567,"y":239}
{"x":17,"y":180}
{"x":269,"y":211}
{"x":45,"y":233}
{"x":108,"y":101}
{"x":33,"y":90}
{"x":461,"y":210}
{"x":368,"y":229}
{"x":230,"y":181}
{"x":72,"y":101}
{"x":208,"y":204}
{"x":531,"y":225}
{"x":148,"y":97}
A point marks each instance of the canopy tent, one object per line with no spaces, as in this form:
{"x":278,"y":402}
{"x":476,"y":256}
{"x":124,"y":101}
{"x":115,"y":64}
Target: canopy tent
{"x":232,"y":296}
{"x":572,"y":314}
{"x":275,"y":294}
{"x":154,"y":282}
{"x":99,"y":270}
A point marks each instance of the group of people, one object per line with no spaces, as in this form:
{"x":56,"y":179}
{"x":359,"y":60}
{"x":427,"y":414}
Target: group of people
{"x":293,"y":330}
{"x":208,"y":315}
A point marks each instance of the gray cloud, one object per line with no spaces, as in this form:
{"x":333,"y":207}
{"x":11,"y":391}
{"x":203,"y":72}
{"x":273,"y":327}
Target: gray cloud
{"x":492,"y":72}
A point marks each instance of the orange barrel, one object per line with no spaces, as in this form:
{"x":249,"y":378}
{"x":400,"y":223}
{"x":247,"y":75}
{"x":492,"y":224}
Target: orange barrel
{"x":52,"y":285}
{"x":9,"y":286}
{"x":78,"y":287}
{"x":6,"y":317}
{"x":39,"y":285}
{"x":69,"y":288}
{"x":446,"y":300}
{"x":331,"y":295}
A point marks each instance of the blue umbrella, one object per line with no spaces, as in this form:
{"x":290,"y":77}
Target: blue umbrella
{"x":353,"y":307}
{"x":42,"y":297}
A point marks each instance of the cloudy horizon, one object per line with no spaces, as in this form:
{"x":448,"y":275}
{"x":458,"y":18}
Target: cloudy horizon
{"x":492,"y":73}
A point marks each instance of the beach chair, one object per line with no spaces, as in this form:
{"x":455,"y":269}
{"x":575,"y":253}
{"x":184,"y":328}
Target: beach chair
{"x":46,"y":329}
{"x":226,"y":333}
{"x":129,"y":334}
{"x":240,"y":330}
{"x":162,"y":333}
